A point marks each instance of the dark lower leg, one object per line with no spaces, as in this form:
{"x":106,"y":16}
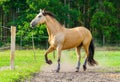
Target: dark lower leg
{"x":50,"y":49}
{"x":84,"y":65}
{"x":78,"y":66}
{"x":58,"y":67}
{"x":47,"y":61}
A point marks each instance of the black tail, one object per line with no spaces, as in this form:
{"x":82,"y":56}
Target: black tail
{"x":91,"y":60}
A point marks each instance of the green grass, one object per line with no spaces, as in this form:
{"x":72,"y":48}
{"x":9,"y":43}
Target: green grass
{"x":108,"y":58}
{"x":25,"y":65}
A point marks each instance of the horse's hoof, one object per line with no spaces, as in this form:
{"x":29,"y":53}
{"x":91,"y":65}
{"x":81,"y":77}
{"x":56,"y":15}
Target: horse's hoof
{"x":57,"y":71}
{"x":84,"y":67}
{"x":49,"y":62}
{"x":77,"y":70}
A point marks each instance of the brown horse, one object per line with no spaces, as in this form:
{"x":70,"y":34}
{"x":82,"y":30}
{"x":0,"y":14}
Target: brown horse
{"x":61,"y":38}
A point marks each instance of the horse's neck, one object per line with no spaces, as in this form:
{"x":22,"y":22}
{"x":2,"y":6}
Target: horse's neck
{"x":53,"y":26}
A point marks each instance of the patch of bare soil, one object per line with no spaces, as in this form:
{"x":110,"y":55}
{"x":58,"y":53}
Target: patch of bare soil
{"x":4,"y":68}
{"x":75,"y":77}
{"x":67,"y":74}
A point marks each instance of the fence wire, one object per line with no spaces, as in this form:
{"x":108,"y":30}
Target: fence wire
{"x":23,"y":42}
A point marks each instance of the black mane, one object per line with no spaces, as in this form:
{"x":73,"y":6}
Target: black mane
{"x":49,"y":13}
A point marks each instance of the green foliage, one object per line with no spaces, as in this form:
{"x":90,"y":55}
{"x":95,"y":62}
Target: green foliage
{"x":105,"y":22}
{"x":101,"y":17}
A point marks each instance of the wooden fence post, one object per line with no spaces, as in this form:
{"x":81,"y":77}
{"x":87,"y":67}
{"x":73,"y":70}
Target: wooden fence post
{"x":12,"y":53}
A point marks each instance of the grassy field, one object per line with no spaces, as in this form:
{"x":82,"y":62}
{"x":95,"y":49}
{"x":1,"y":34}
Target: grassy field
{"x":25,"y":65}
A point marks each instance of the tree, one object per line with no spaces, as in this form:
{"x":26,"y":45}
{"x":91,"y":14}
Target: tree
{"x":104,"y":21}
{"x":100,"y":16}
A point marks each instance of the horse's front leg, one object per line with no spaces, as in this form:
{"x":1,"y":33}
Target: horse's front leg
{"x":50,"y":49}
{"x":78,"y":58}
{"x":59,"y":56}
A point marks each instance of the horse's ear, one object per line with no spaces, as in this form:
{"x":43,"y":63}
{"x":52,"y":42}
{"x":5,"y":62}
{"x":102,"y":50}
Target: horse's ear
{"x":41,"y":10}
{"x":44,"y":12}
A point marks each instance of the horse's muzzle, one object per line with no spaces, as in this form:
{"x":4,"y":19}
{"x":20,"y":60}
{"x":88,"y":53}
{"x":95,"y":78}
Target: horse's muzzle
{"x":32,"y":24}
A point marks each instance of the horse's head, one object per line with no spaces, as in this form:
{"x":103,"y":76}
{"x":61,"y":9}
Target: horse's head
{"x":39,"y":19}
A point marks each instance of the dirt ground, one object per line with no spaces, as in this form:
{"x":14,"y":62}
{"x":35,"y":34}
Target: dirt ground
{"x":68,"y":74}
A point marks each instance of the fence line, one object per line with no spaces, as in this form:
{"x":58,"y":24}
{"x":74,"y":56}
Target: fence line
{"x":42,"y":43}
{"x":5,"y":27}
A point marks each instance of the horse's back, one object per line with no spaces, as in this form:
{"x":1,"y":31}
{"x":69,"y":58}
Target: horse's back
{"x":82,"y":31}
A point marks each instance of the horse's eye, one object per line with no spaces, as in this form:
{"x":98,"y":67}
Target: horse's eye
{"x":39,"y":16}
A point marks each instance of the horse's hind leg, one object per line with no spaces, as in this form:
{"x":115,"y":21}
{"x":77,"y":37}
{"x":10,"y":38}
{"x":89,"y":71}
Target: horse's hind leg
{"x":86,"y":58}
{"x":78,"y":58}
{"x":84,"y":65}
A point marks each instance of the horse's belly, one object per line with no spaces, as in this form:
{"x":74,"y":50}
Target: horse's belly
{"x":73,"y":42}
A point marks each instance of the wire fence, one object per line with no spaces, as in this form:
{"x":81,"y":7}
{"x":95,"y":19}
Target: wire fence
{"x":100,"y":43}
{"x":41,"y":42}
{"x":28,"y":44}
{"x":22,"y":42}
